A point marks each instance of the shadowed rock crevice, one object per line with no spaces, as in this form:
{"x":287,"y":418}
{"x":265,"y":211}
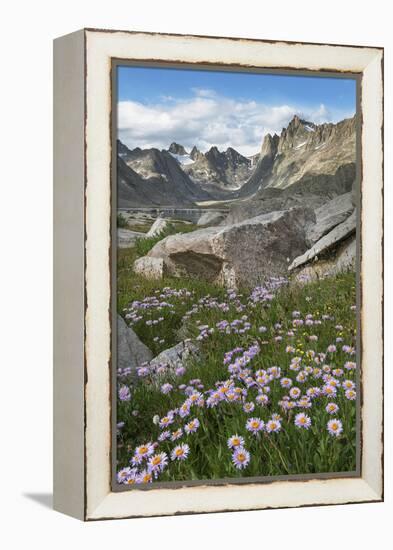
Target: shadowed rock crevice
{"x":194,"y":264}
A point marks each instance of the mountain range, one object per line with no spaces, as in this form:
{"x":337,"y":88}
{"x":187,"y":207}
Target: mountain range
{"x":305,"y":159}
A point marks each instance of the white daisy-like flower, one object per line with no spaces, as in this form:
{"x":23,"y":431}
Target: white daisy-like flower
{"x":295,"y":392}
{"x":235,"y":441}
{"x":273,"y":426}
{"x":302,"y":421}
{"x":332,"y":408}
{"x":157,"y":463}
{"x":350,"y":394}
{"x":180,"y":452}
{"x":255,"y":425}
{"x":286,"y":382}
{"x":240,"y":458}
{"x":335,"y":427}
{"x":192,"y":426}
{"x":348,"y":385}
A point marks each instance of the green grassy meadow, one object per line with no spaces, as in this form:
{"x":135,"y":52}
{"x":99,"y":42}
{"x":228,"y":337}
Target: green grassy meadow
{"x":250,"y":345}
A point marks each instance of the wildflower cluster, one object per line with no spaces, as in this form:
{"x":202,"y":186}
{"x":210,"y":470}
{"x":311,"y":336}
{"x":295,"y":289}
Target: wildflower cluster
{"x":272,"y":392}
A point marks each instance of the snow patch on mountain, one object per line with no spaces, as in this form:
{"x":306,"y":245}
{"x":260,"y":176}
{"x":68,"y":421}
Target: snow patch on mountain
{"x":183,"y":159}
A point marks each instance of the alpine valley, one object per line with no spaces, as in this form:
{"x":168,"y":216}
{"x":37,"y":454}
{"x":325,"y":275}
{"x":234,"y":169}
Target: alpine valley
{"x":299,"y":189}
{"x":236,"y":303}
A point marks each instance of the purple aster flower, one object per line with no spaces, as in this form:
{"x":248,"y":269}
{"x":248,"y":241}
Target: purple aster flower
{"x":145,"y":476}
{"x":335,"y":427}
{"x":180,"y":371}
{"x":123,"y":474}
{"x":235,"y":441}
{"x":157,"y":463}
{"x":166,"y":420}
{"x":331,"y":408}
{"x":273,"y":426}
{"x":254,"y":425}
{"x":166,"y":434}
{"x":192,"y":426}
{"x":286,"y":382}
{"x":124,"y":393}
{"x":180,"y":452}
{"x":302,"y":421}
{"x":248,"y":407}
{"x":166,"y":388}
{"x":350,"y":394}
{"x":240,"y":458}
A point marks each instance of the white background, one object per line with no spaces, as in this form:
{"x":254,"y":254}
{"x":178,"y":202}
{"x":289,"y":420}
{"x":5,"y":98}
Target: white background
{"x":27,"y":30}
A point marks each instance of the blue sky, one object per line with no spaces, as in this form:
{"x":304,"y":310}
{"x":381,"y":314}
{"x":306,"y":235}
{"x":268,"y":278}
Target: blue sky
{"x":205,"y":108}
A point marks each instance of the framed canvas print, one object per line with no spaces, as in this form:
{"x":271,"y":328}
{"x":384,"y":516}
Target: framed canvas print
{"x":218,"y":274}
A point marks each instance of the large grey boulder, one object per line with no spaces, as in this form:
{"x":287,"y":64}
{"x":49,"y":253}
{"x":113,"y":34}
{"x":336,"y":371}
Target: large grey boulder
{"x":321,"y":247}
{"x":127,"y":238}
{"x":211,"y":218}
{"x":131,"y":352}
{"x":157,"y":228}
{"x":328,"y":216}
{"x":246,"y":253}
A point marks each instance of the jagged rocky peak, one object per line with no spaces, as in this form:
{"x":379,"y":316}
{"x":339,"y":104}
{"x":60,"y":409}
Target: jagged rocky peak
{"x":122,"y":150}
{"x":212,"y":153}
{"x":177,"y":149}
{"x":235,"y":157}
{"x":269,"y":145}
{"x":296,"y":134}
{"x":230,"y":157}
{"x":222,"y":169}
{"x":196,"y":153}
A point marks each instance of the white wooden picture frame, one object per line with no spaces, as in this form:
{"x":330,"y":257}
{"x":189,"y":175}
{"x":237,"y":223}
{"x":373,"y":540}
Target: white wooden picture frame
{"x":82,"y":257}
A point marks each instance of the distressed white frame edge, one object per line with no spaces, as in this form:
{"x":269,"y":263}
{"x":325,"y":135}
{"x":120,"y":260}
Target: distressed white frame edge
{"x":101,"y":46}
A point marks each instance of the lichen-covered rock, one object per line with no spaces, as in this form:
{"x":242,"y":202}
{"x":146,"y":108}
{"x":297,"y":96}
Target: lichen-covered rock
{"x":240,"y":254}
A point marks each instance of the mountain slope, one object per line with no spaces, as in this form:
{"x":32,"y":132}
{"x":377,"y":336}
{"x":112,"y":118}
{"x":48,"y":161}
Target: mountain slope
{"x":224,"y":170}
{"x":303,"y":152}
{"x":150,"y":176}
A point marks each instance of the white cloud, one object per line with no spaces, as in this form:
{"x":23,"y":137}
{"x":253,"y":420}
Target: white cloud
{"x":207,"y":119}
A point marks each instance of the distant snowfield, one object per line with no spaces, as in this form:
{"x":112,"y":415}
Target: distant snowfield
{"x":183,"y":159}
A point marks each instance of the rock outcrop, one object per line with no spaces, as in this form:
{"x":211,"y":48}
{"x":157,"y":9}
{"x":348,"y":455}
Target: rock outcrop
{"x":327,"y":242}
{"x":131,"y":352}
{"x":328,"y":216}
{"x":237,"y":255}
{"x":211,"y":218}
{"x":176,"y":356}
{"x":158,"y":227}
{"x":225,"y":170}
{"x":177,"y":149}
{"x":307,"y":154}
{"x":127,"y":238}
{"x":343,"y":259}
{"x":150,"y":268}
